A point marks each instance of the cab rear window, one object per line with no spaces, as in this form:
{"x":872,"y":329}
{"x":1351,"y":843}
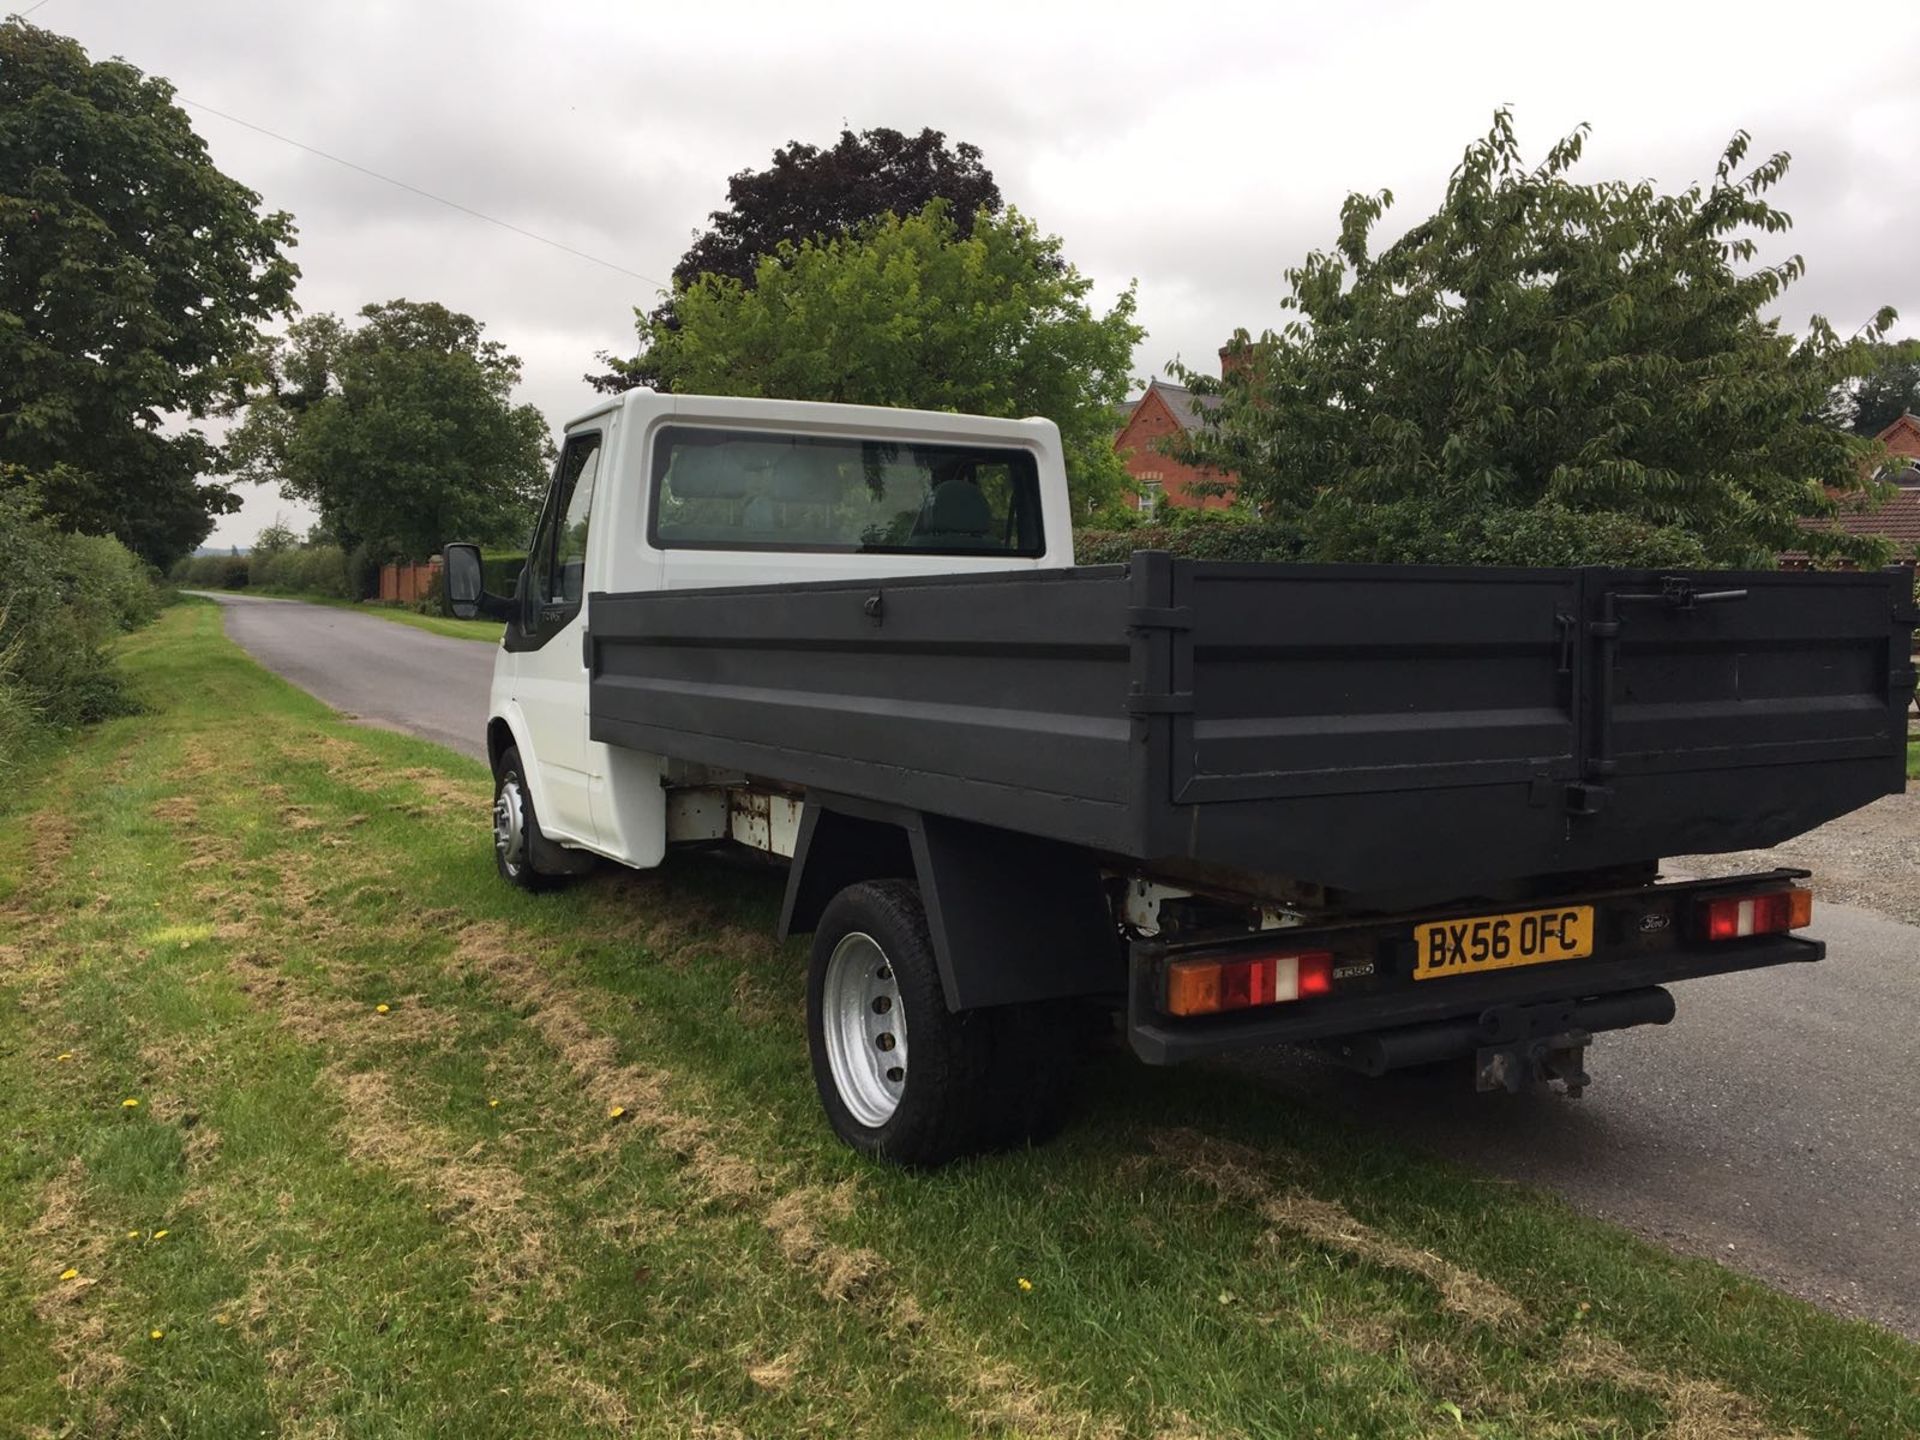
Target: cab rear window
{"x":755,"y":490}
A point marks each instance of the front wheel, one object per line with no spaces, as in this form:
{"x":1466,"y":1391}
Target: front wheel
{"x":901,"y":1076}
{"x":516,"y":830}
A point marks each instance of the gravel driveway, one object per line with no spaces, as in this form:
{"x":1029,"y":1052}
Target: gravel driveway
{"x":1870,"y":858}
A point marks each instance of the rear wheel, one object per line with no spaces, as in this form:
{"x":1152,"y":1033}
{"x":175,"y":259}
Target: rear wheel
{"x":900,"y":1075}
{"x":516,"y":829}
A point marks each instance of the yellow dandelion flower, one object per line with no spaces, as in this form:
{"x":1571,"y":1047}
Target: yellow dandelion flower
{"x":493,"y":1104}
{"x":130,"y":1103}
{"x":614,"y":1112}
{"x":69,"y":1274}
{"x":381,"y":1008}
{"x":1025,"y":1284}
{"x":161,"y":1234}
{"x":133,"y":1234}
{"x":64,"y":1055}
{"x":156,"y":1334}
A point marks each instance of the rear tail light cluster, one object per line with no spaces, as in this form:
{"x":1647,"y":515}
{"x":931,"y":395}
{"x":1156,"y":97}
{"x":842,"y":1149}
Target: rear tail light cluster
{"x":1207,"y":987}
{"x":1771,"y":912}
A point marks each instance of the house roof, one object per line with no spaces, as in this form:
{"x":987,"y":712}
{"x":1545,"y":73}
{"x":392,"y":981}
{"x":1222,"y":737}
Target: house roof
{"x":1186,"y":406}
{"x":1898,"y":519}
{"x":1905,"y":429}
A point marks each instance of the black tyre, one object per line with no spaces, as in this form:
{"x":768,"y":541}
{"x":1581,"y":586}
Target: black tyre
{"x":902,"y":1077}
{"x":516,"y":829}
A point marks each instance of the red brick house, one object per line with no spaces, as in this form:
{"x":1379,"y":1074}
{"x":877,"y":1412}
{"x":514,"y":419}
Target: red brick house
{"x":1899,"y":518}
{"x":1166,"y":409}
{"x":1902,"y":438}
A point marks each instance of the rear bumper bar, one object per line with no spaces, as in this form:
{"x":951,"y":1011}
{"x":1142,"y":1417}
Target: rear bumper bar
{"x":1479,"y":1008}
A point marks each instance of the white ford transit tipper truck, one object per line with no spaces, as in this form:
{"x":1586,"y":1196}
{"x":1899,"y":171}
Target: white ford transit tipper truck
{"x":1406,"y":814}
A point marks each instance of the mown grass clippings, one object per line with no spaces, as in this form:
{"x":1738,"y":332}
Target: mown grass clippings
{"x":1232,"y":1170}
{"x":66,"y":1303}
{"x":1696,"y":1409}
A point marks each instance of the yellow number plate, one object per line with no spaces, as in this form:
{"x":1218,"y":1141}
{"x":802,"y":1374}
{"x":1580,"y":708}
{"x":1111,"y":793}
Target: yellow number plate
{"x":1495,"y":942}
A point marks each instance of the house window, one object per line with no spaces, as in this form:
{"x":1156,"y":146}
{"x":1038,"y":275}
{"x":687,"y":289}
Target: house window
{"x":1151,"y":489}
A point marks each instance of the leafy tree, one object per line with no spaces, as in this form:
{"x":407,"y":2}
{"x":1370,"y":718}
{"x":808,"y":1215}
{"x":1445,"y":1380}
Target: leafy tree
{"x":809,"y":192}
{"x":274,"y":539}
{"x":912,"y":313}
{"x":131,"y":273}
{"x":1869,"y":403}
{"x":401,"y":431}
{"x":1537,"y":345}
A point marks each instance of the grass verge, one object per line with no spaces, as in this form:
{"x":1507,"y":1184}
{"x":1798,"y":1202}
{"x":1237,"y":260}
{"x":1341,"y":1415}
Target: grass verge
{"x":415,"y":1155}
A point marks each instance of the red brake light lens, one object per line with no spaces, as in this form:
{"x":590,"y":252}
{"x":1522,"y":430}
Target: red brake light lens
{"x":1769,"y":912}
{"x":1207,"y":987}
{"x":1315,"y":973}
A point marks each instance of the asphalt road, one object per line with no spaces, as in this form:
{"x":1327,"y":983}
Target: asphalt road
{"x":1771,"y":1126}
{"x":374,"y":670}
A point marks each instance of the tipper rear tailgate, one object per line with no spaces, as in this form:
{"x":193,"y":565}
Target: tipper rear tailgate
{"x":1425,"y":729}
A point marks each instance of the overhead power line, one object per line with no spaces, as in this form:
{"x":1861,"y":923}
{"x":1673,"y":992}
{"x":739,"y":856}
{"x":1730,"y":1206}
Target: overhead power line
{"x":416,"y":190}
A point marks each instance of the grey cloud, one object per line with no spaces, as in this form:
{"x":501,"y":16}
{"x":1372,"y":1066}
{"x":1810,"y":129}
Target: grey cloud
{"x":1201,"y":151}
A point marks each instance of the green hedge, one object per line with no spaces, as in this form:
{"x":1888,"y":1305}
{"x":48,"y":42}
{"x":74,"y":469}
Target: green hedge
{"x":303,"y":569}
{"x":501,"y":569}
{"x":1431,"y":533}
{"x":211,"y":572}
{"x":63,"y":598}
{"x":1406,"y":533}
{"x":300,"y":570}
{"x":1241,"y":541}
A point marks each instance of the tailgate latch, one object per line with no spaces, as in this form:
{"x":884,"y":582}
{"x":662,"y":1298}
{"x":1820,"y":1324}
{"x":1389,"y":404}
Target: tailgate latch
{"x":1677,"y":592}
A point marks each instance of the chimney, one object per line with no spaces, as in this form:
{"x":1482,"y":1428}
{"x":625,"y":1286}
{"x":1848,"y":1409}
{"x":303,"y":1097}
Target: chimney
{"x":1235,"y":352}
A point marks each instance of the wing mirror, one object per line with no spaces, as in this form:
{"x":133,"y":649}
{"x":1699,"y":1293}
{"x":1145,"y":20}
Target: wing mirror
{"x":466,"y":585}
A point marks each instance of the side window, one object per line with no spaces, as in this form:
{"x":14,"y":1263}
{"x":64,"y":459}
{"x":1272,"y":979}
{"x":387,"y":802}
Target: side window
{"x":540,"y":553}
{"x":556,"y":563}
{"x":570,"y":543}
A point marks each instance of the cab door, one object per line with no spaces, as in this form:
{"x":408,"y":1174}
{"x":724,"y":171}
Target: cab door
{"x":550,"y":679}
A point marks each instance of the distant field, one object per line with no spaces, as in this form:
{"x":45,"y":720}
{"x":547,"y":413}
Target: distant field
{"x":414,"y":1155}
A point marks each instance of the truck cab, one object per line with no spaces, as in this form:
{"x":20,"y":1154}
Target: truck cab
{"x":663,"y":492}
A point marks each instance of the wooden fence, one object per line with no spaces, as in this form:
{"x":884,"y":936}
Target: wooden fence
{"x":408,"y":582}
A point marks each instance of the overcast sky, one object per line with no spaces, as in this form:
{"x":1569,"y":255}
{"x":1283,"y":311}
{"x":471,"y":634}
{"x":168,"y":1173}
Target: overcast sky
{"x":1196,"y":149}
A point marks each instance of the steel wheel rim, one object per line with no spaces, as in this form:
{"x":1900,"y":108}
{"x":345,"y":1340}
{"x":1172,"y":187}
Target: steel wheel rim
{"x":509,"y":823}
{"x":865,"y":1029}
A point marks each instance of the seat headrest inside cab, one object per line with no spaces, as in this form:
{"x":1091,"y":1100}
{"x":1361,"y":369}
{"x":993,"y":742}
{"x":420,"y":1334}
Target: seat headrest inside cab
{"x":807,"y":475}
{"x":706,"y":472}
